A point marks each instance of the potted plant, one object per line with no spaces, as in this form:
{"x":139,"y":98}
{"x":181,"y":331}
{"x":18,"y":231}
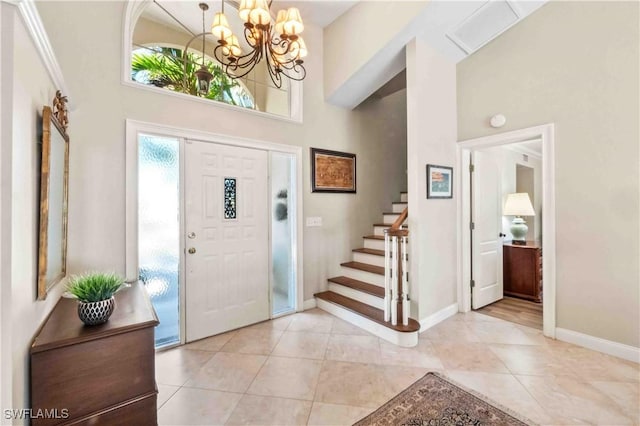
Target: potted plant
{"x":94,"y":292}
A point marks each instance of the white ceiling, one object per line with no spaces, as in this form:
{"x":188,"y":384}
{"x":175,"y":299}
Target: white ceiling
{"x":443,"y":17}
{"x":319,"y":12}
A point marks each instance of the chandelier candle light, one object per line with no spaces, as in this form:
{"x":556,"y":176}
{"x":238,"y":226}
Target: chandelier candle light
{"x":518,"y":204}
{"x":279,"y":43}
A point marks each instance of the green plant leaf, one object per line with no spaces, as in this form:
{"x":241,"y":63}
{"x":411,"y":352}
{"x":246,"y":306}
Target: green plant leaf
{"x":94,"y":287}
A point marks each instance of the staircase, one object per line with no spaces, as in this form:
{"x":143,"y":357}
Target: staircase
{"x":358,"y":294}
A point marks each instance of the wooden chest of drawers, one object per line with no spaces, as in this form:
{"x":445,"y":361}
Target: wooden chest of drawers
{"x":522,"y":270}
{"x":99,"y":375}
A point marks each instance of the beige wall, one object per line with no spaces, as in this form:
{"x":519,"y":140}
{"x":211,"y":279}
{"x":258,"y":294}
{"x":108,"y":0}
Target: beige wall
{"x":576,"y":64}
{"x":526,"y":182}
{"x":6,"y":138}
{"x":431,"y":138}
{"x":97,"y":178}
{"x":31,"y":89}
{"x":355,"y":38}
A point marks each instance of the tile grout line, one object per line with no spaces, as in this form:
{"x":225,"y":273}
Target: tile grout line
{"x":324,"y":359}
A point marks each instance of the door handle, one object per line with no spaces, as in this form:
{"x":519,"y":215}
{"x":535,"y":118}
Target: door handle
{"x":501,"y":235}
{"x":191,"y":250}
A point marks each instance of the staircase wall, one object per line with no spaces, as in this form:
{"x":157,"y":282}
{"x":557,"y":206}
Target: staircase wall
{"x":431,"y":139}
{"x":364,"y":48}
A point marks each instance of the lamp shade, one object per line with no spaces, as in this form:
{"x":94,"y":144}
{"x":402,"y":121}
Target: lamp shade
{"x":293,"y":24}
{"x":260,"y":15}
{"x":280,"y":20}
{"x":518,"y":204}
{"x":245,"y":9}
{"x":232,"y":48}
{"x":299,"y":49}
{"x":220,"y":26}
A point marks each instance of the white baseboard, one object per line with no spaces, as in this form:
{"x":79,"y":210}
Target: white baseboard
{"x":438,"y":317}
{"x":630,"y":353}
{"x":309,"y":304}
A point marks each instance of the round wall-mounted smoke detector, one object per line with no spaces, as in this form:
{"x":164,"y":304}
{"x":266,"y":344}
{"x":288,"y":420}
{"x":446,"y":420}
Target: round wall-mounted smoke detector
{"x":498,"y":120}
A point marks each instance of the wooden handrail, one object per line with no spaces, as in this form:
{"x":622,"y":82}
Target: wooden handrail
{"x":398,"y":223}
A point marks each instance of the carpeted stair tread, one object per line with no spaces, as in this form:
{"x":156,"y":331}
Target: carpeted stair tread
{"x":367,"y":311}
{"x":373,"y":252}
{"x":389,"y":225}
{"x":379,"y":270}
{"x":371,"y":289}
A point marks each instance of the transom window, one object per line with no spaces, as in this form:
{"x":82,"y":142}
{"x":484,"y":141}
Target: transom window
{"x":158,"y":58}
{"x":169,"y":68}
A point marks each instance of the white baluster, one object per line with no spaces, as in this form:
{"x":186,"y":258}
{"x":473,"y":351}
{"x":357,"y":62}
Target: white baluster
{"x":394,"y":281}
{"x":405,"y":283}
{"x":387,"y":277}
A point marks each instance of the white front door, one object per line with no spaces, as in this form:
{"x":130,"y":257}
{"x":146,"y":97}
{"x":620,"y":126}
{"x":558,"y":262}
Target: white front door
{"x":226,"y":241}
{"x":486,"y":250}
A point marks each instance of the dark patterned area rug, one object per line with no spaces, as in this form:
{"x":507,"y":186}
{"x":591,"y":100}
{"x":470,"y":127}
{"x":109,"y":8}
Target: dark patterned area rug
{"x":435,"y":400}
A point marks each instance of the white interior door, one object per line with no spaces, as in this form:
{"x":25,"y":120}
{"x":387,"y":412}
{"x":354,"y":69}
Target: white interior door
{"x":227,"y":242}
{"x":486,"y":250}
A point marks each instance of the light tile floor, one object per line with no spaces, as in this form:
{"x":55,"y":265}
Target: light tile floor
{"x":313,"y":368}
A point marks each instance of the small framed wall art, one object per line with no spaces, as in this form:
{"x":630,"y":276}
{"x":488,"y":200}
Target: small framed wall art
{"x":439,"y":181}
{"x":332,"y":171}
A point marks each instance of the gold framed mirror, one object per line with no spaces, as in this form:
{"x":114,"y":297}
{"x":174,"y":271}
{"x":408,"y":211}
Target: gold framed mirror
{"x":54,"y":183}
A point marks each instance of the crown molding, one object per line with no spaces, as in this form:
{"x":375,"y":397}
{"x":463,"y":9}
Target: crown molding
{"x":33,"y":22}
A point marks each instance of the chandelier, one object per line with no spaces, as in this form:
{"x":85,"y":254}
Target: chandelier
{"x":279,"y":43}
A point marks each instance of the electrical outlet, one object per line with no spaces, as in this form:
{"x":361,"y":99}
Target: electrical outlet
{"x":314,"y":222}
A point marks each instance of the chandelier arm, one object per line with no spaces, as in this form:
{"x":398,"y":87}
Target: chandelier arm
{"x":293,"y":64}
{"x":242,"y":62}
{"x":274,"y":74}
{"x":276,"y":51}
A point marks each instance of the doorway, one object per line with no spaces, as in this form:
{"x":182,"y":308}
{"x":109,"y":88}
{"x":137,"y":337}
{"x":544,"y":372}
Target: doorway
{"x":204,"y":221}
{"x":486,"y":238}
{"x":506,"y":269}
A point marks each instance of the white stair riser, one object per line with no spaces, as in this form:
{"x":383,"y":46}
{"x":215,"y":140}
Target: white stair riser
{"x":404,"y":198}
{"x":390,"y":218}
{"x":398,"y":208}
{"x":374,"y":244}
{"x":379,"y":230}
{"x":371,"y":259}
{"x":351,"y":293}
{"x":406,"y":340}
{"x":365,"y":276}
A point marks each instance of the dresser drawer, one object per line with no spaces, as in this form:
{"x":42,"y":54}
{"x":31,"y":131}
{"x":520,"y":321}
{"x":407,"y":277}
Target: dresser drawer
{"x":87,"y":377}
{"x":140,"y":412}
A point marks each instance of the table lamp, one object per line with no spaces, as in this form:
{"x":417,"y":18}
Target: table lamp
{"x":518,"y":205}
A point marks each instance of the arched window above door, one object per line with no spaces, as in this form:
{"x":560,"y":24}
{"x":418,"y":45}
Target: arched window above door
{"x":163,"y":50}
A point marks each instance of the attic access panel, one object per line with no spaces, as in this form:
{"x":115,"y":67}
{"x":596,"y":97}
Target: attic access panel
{"x":488,"y":22}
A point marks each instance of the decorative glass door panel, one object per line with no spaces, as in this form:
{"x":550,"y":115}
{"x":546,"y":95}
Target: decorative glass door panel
{"x":283,"y":206}
{"x":159,"y":231}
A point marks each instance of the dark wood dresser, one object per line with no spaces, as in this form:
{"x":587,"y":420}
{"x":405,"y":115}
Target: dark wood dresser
{"x":522,"y":270}
{"x":101,"y":375}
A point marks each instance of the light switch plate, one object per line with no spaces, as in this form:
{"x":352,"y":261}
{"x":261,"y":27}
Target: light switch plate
{"x":314,"y":221}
